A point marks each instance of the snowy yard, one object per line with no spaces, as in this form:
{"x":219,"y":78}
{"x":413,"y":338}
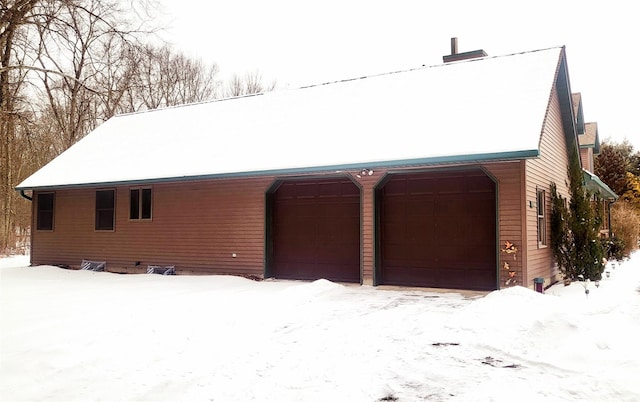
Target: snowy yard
{"x":83,"y":336}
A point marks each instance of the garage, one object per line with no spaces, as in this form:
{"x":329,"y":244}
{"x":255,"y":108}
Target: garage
{"x":314,"y":230}
{"x":438,"y":229}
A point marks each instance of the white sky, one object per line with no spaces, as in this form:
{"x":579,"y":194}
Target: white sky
{"x":298,"y":43}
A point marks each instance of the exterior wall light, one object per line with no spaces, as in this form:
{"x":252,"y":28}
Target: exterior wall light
{"x":364,"y":172}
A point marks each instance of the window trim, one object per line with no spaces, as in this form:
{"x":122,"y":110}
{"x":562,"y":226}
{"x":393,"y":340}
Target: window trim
{"x":541,"y":217}
{"x":140,"y":207}
{"x":38,"y":211}
{"x":113,"y":209}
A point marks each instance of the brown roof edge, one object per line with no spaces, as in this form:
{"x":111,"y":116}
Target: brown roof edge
{"x":474,"y":54}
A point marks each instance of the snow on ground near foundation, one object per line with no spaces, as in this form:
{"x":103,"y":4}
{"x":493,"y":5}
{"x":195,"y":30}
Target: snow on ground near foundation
{"x":83,"y":336}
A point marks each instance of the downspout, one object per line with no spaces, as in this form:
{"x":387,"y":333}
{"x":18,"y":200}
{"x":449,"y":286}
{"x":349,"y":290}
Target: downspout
{"x":609,"y":204}
{"x":24,"y":195}
{"x":30,"y":199}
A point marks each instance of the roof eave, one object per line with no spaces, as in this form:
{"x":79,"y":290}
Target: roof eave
{"x":569,"y":120}
{"x":429,"y":161}
{"x":597,"y":186}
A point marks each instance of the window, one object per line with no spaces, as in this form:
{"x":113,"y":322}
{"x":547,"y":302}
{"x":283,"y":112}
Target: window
{"x":140,"y":203}
{"x":45,"y":211}
{"x":542,"y":221}
{"x":105,"y":209}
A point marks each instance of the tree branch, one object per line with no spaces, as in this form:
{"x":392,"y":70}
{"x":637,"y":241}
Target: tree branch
{"x":49,"y":71}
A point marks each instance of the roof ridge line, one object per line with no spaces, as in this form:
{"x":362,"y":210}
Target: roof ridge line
{"x":320,"y":84}
{"x":189,"y":104}
{"x":424,"y":66}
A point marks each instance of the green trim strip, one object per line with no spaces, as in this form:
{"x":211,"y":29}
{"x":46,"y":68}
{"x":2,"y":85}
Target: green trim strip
{"x":597,"y":186}
{"x":497,"y":156}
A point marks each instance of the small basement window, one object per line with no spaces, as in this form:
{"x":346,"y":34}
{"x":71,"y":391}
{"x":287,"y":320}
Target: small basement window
{"x":140,"y":203}
{"x":45,"y":203}
{"x":105,"y":209}
{"x":542,"y":219}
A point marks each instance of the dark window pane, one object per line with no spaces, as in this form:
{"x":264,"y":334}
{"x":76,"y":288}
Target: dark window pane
{"x":105,"y":199}
{"x":146,"y":203}
{"x":45,"y":201}
{"x":105,"y":208}
{"x":134,"y":210}
{"x":45,"y":211}
{"x":104,"y":220}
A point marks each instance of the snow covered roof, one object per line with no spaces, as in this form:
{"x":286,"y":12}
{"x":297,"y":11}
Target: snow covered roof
{"x":483,"y":109}
{"x":590,"y":138}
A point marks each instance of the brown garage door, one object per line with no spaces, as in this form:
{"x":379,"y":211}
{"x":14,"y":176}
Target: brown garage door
{"x":315,"y":230}
{"x":438,"y":229}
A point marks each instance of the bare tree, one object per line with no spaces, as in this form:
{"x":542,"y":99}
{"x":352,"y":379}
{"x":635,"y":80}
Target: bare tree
{"x":12,"y":40}
{"x":47,"y":45}
{"x":66,"y":66}
{"x":250,"y":83}
{"x":115,"y":72}
{"x":165,"y":77}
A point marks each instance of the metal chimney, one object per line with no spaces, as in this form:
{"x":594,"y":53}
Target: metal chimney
{"x":454,"y":46}
{"x":455,"y":56}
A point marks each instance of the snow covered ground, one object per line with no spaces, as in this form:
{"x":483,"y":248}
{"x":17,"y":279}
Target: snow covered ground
{"x":84,"y":336}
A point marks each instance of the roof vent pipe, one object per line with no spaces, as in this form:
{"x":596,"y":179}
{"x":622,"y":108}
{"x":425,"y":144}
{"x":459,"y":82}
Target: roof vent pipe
{"x":454,"y":46}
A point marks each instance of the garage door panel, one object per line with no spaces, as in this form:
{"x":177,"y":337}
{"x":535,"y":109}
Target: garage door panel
{"x":349,"y":233}
{"x":480,"y":184}
{"x":395,"y":188}
{"x":400,"y":274}
{"x":328,"y":190}
{"x":395,"y":207}
{"x":345,"y":209}
{"x":475,"y":278}
{"x":419,"y":237}
{"x":394,"y":231}
{"x":316,"y":230}
{"x":306,"y":270}
{"x":306,"y":190}
{"x":422,"y":205}
{"x":484,"y":206}
{"x":421,"y":186}
{"x":440,"y":232}
{"x":450,"y":185}
{"x":340,"y":255}
{"x":349,"y":190}
{"x":394,"y":253}
{"x":448,"y":231}
{"x":480,"y":254}
{"x":452,"y":205}
{"x":485,"y":230}
{"x":451,"y":255}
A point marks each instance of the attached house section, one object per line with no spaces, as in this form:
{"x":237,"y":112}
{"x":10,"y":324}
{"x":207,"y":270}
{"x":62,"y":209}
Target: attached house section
{"x":199,"y":226}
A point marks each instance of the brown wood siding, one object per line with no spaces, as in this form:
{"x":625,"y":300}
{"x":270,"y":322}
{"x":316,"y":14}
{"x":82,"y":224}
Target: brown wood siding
{"x":510,"y":208}
{"x":549,"y":167}
{"x":368,"y":184}
{"x":197,"y":226}
{"x":586,"y":158}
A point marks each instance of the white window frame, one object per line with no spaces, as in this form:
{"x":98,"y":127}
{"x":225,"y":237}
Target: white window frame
{"x":541,"y":217}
